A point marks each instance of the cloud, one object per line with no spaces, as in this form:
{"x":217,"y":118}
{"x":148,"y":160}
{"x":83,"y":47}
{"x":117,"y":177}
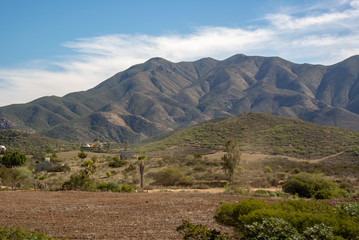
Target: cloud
{"x":323,"y":35}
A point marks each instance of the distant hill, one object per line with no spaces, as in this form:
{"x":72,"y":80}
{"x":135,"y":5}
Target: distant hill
{"x":159,"y":96}
{"x":259,"y":132}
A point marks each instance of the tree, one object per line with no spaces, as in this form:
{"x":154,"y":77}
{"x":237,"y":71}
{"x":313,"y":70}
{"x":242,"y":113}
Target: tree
{"x":125,"y":146}
{"x":90,"y":167}
{"x":231,"y":160}
{"x":142,"y":158}
{"x":13,"y":159}
{"x":171,"y":177}
{"x":107,"y":146}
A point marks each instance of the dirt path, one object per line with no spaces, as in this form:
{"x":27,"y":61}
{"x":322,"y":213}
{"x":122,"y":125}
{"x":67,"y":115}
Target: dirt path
{"x":84,"y":215}
{"x":249,"y":157}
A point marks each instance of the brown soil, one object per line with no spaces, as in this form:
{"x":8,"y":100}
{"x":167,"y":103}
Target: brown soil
{"x":85,"y":215}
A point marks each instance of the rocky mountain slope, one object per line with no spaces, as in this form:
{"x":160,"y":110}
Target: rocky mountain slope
{"x":158,"y":96}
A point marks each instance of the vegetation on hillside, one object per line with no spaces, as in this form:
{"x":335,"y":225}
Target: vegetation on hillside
{"x":31,"y":143}
{"x":287,"y":219}
{"x":260,"y":132}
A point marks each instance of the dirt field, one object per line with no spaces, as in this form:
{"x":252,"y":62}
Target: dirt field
{"x":85,"y":215}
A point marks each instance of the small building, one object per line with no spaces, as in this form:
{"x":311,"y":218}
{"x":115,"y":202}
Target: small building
{"x":2,"y":149}
{"x":42,"y":166}
{"x":47,"y":159}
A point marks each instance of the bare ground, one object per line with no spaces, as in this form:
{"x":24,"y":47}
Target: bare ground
{"x":85,"y":215}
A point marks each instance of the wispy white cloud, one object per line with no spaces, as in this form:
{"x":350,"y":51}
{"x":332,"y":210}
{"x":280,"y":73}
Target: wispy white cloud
{"x":322,"y":35}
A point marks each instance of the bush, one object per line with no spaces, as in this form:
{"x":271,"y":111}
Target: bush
{"x":82,"y":154}
{"x":117,"y":162}
{"x":190,"y":231}
{"x":318,"y":232}
{"x":270,"y":228}
{"x":303,"y":215}
{"x":79,"y":182}
{"x":17,"y":233}
{"x":10,"y":160}
{"x":350,"y":208}
{"x":170,"y":177}
{"x":114,"y":187}
{"x":127,"y":188}
{"x":311,"y":185}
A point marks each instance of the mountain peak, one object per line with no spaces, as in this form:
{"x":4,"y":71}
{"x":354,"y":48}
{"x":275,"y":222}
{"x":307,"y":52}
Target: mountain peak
{"x":158,"y":95}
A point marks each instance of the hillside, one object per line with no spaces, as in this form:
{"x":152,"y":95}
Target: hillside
{"x":159,"y":96}
{"x":31,"y":143}
{"x":259,"y":132}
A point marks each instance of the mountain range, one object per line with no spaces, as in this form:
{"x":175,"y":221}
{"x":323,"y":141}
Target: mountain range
{"x":158,"y":96}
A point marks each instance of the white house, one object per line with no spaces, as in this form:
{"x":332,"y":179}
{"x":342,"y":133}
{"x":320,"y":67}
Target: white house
{"x":2,"y":149}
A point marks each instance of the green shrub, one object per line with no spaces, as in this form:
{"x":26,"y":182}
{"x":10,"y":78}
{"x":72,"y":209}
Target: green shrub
{"x":268,"y":169}
{"x":170,"y":177}
{"x":270,"y":228}
{"x":17,"y":233}
{"x":200,"y":232}
{"x":311,"y":185}
{"x":303,"y":215}
{"x":79,"y":182}
{"x":351,"y":208}
{"x":354,"y":151}
{"x":114,"y":187}
{"x":323,"y":194}
{"x":130,"y":168}
{"x":319,"y":232}
{"x":14,"y":159}
{"x":82,"y":154}
{"x":261,"y":193}
{"x":117,"y":162}
{"x":127,"y":188}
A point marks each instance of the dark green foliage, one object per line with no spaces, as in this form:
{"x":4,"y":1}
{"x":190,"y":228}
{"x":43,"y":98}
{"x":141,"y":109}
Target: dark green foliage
{"x":14,"y":177}
{"x":303,"y":215}
{"x":79,"y":182}
{"x":354,"y":151}
{"x":170,"y":177}
{"x":350,"y":208}
{"x":264,"y":133}
{"x":114,"y":187}
{"x":199,"y":232}
{"x":231,"y":160}
{"x":130,"y":168}
{"x":18,"y":233}
{"x":31,"y":143}
{"x":127,"y":188}
{"x":311,"y":185}
{"x":270,"y":228}
{"x":117,"y":162}
{"x":82,"y":154}
{"x":319,"y":232}
{"x":13,"y":159}
{"x":277,"y":228}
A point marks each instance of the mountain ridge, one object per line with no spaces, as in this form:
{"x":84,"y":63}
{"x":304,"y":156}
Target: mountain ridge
{"x":159,"y":96}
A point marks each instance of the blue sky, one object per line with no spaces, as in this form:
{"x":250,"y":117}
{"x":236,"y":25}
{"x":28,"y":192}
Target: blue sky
{"x":61,"y":46}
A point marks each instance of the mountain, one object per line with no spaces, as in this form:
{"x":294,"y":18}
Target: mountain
{"x":258,"y":132}
{"x":159,"y":96}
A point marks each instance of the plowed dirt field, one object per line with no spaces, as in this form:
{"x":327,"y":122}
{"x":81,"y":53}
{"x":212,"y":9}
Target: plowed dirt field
{"x":85,"y":215}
